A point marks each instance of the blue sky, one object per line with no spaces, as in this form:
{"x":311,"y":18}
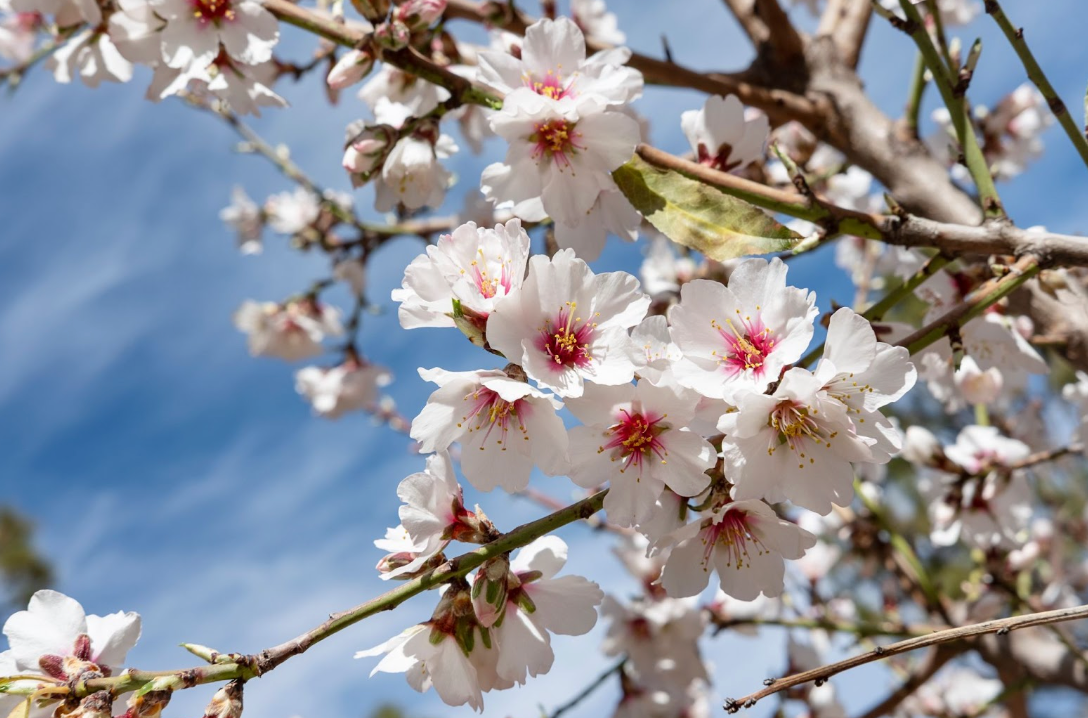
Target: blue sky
{"x":171,"y":474}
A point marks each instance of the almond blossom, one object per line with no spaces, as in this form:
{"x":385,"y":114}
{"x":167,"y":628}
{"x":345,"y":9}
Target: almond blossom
{"x":291,"y":331}
{"x":505,"y":427}
{"x":722,"y":137}
{"x":744,"y":541}
{"x":477,"y":266}
{"x":593,"y":18}
{"x":795,"y":444}
{"x":539,"y":604}
{"x":54,"y":635}
{"x":195,"y":29}
{"x":986,"y":505}
{"x":334,"y":391}
{"x":244,"y":88}
{"x":553,"y":64}
{"x":443,"y":653}
{"x":634,"y":437}
{"x":568,"y":325}
{"x":91,"y":56}
{"x":561,"y":154}
{"x":412,"y":175}
{"x":740,"y":336}
{"x":244,"y":217}
{"x":292,"y":212}
{"x":865,"y":375}
{"x":659,"y":638}
{"x":18,"y":34}
{"x":652,"y":350}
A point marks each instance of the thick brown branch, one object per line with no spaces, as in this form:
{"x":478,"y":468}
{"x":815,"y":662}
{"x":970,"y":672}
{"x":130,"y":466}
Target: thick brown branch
{"x":1000,"y":626}
{"x":786,"y":44}
{"x":846,"y":22}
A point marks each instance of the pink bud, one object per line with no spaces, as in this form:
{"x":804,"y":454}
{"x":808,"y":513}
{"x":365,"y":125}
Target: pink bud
{"x":418,"y":14}
{"x":352,"y":66}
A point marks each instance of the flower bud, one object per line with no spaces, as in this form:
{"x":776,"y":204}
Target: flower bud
{"x":419,"y":14}
{"x":367,"y":150}
{"x":372,"y":10}
{"x":489,"y":590}
{"x":227,"y":702}
{"x":977,"y":386}
{"x":392,"y":35}
{"x":352,"y":66}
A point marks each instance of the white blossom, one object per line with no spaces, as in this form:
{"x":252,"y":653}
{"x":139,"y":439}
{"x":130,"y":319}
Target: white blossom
{"x":720,"y":135}
{"x":744,"y":541}
{"x":505,"y":427}
{"x":740,"y":336}
{"x":412,"y":174}
{"x":92,"y":57}
{"x":55,"y":635}
{"x":245,"y":218}
{"x":477,"y":266}
{"x":293,"y":331}
{"x":292,"y":212}
{"x":334,"y":391}
{"x":568,"y":325}
{"x":195,"y":30}
{"x":635,"y":438}
{"x":594,"y":19}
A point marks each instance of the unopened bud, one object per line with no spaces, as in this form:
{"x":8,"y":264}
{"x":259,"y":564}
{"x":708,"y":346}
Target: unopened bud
{"x":372,"y":10}
{"x":489,"y":590}
{"x":352,"y":66}
{"x":393,"y":35}
{"x":419,"y":14}
{"x":367,"y":150}
{"x":227,"y":701}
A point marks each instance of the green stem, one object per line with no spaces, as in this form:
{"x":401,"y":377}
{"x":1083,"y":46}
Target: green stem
{"x":253,"y":666}
{"x":917,"y":91}
{"x":958,"y":108}
{"x":1037,"y":76}
{"x":876,"y":312}
{"x":973,"y":305}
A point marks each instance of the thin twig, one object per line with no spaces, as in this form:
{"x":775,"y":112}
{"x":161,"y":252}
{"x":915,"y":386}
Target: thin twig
{"x":1001,"y":626}
{"x":588,"y":690}
{"x":1037,"y":76}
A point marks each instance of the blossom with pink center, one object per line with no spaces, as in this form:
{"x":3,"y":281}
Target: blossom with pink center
{"x":553,"y":65}
{"x":741,"y":336}
{"x":54,"y":636}
{"x":744,"y":541}
{"x":795,"y":444}
{"x":334,"y":391}
{"x":635,"y":437}
{"x":721,"y":135}
{"x":561,"y":155}
{"x":659,"y":637}
{"x":477,"y":266}
{"x":195,"y":29}
{"x":568,"y":325}
{"x":292,"y":331}
{"x":505,"y":427}
{"x":18,"y":34}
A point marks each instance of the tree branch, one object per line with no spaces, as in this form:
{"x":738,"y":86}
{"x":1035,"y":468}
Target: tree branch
{"x":907,"y":230}
{"x":245,"y":667}
{"x":786,"y":44}
{"x":933,"y":663}
{"x":846,"y":22}
{"x":1000,"y":626}
{"x":745,"y":14}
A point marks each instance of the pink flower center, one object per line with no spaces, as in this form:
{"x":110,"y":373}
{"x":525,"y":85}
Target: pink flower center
{"x":731,"y":536}
{"x":487,"y":283}
{"x":566,"y":340}
{"x":636,"y":437}
{"x":719,"y":161}
{"x":213,"y":11}
{"x":748,"y":343}
{"x":551,"y":85}
{"x":556,"y":140}
{"x":490,"y":412}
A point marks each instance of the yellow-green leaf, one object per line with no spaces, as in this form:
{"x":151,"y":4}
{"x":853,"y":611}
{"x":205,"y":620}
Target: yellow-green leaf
{"x":699,"y":216}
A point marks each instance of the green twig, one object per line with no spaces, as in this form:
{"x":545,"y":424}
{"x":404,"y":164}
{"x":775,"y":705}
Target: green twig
{"x":918,"y":84}
{"x":958,"y":108}
{"x":1037,"y":76}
